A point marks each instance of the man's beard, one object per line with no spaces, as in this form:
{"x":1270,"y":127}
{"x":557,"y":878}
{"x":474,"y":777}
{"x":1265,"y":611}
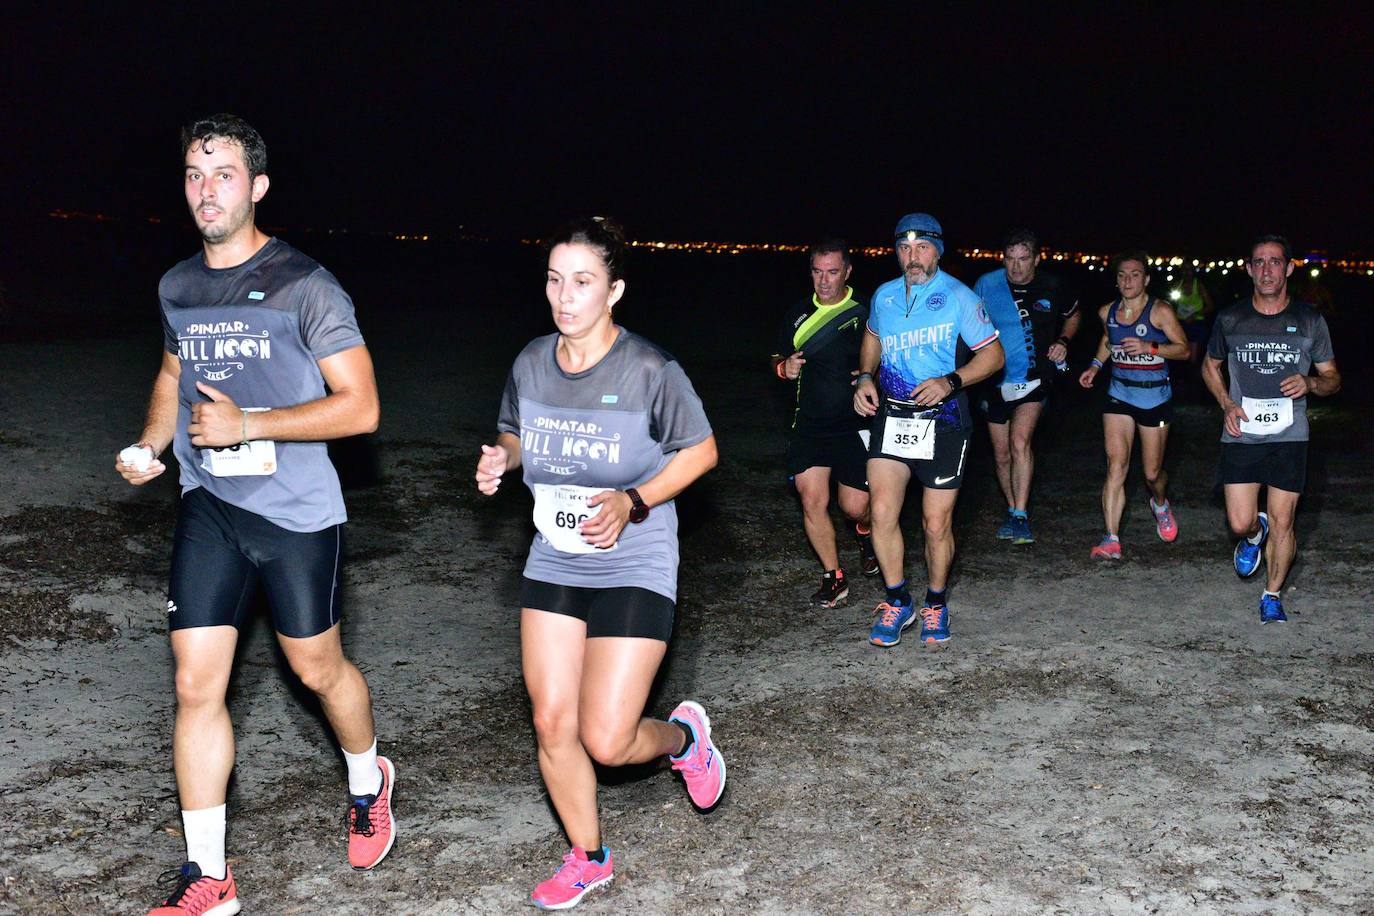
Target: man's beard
{"x":226,"y":226}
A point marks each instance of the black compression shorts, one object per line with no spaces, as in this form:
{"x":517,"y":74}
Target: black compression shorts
{"x":1159,"y":415}
{"x":1281,"y":465}
{"x":619,"y":611}
{"x":999,"y":411}
{"x":846,"y":456}
{"x":219,"y":554}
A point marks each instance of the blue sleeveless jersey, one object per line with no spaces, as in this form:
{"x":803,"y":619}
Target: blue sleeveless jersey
{"x":1142,"y":380}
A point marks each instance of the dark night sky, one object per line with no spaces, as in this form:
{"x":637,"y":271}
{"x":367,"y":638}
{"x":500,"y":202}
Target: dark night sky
{"x":1099,"y":128}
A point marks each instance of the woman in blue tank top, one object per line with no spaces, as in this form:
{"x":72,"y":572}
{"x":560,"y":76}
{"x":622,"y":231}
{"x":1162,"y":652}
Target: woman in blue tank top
{"x":1139,"y":334}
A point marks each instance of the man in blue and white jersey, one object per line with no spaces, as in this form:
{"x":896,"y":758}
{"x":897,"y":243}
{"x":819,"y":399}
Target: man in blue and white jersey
{"x":921,"y":327}
{"x":1036,"y":316}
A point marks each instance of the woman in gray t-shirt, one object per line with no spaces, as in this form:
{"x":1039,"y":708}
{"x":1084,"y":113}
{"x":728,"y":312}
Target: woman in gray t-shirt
{"x":608,"y":430}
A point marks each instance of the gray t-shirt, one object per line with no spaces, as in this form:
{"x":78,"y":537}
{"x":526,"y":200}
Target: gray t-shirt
{"x":1262,"y":350}
{"x":256,"y":332}
{"x":612,"y":426}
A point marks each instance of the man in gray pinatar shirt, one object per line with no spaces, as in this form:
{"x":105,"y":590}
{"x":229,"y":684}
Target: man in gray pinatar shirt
{"x":1270,"y":345}
{"x":263,"y":364}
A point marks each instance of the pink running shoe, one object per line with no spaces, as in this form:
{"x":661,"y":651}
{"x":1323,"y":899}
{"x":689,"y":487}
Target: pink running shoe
{"x":194,"y":894}
{"x":371,"y":828}
{"x":1165,"y":523}
{"x":577,"y":875}
{"x":701,"y":763}
{"x":1109,"y":549}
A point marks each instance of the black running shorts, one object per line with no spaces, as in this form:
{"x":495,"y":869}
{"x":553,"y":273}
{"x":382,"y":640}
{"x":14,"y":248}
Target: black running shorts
{"x":944,"y":470}
{"x":620,"y":611}
{"x":999,"y":411}
{"x":219,"y":554}
{"x":1160,"y":415}
{"x":1281,"y":465}
{"x":846,"y":456}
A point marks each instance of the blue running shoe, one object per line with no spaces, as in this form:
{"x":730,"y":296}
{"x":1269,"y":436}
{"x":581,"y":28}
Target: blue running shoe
{"x":1021,"y":533}
{"x":1007,"y":530}
{"x":935,"y":624}
{"x":1271,"y":610}
{"x":892,"y":619}
{"x":1247,"y":557}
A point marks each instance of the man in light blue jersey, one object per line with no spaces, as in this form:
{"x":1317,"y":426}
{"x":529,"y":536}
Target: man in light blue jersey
{"x":913,"y":366}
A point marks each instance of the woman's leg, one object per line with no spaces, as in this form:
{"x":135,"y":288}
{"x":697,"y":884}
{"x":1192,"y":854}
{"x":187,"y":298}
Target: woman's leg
{"x":617,"y":674}
{"x":1153,"y":439}
{"x":1118,"y":433}
{"x":552,"y":653}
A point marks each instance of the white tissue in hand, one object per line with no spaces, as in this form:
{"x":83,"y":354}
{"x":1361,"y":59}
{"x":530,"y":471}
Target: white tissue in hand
{"x":138,"y":457}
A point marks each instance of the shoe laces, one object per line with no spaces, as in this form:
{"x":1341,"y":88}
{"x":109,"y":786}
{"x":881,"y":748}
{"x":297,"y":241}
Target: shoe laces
{"x":889,"y":614}
{"x":181,"y":880}
{"x":930,"y":616}
{"x":359,"y":815}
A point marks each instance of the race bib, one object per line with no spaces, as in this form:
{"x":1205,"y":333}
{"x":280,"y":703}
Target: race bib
{"x":254,"y":458}
{"x":1015,"y":391}
{"x":1267,"y":415}
{"x":559,"y":508}
{"x":908,"y":434}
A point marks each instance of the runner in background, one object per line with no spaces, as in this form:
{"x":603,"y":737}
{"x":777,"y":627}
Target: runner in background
{"x":1139,"y":333}
{"x":922,"y":327}
{"x":1036,"y":318}
{"x":1270,"y":344}
{"x":817,"y":350}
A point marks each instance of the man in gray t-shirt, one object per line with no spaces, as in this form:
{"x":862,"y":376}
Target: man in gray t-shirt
{"x":1270,"y":346}
{"x":262,"y":364}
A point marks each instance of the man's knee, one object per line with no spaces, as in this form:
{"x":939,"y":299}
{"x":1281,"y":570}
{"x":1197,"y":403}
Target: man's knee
{"x":319,"y":671}
{"x":198,"y":686}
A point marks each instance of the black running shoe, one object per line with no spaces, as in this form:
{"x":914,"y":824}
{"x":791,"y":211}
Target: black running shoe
{"x":867,"y":558}
{"x":834,"y":590}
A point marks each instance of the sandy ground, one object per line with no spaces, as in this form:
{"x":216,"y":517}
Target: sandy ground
{"x":1121,"y":739}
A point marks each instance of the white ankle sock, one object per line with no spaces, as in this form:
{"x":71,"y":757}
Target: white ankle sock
{"x":1259,"y":536}
{"x":205,"y":839}
{"x":364,"y":776}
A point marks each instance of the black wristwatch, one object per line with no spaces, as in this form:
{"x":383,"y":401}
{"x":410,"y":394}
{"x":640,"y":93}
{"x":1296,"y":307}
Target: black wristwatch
{"x":638,"y":512}
{"x":955,"y":383}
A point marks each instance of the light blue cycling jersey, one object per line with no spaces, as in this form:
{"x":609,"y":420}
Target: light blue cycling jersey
{"x":920,"y":330}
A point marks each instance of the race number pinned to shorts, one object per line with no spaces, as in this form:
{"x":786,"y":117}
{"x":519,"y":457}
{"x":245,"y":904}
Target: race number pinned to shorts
{"x":908,"y":432}
{"x":1015,"y":391}
{"x":1267,"y":415}
{"x":559,"y":510}
{"x":254,"y":458}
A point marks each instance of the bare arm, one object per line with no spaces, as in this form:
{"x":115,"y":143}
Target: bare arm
{"x":1233,"y":413}
{"x":1327,"y":381}
{"x":496,"y":460}
{"x":350,"y":408}
{"x":1059,"y":350}
{"x":603,"y":529}
{"x":1100,"y":357}
{"x":160,"y":424}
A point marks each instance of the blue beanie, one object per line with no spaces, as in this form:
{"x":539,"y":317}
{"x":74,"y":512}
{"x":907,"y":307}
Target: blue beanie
{"x":922,"y":226}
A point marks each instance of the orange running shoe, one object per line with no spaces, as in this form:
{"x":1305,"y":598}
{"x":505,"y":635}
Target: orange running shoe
{"x":194,"y":894}
{"x":1109,"y":549}
{"x":371,"y":828}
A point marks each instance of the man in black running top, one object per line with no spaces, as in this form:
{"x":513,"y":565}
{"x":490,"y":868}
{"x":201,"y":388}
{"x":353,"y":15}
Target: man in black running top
{"x":817,"y":350}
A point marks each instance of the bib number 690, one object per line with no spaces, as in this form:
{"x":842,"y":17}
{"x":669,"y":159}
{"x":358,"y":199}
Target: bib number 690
{"x":569,"y":520}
